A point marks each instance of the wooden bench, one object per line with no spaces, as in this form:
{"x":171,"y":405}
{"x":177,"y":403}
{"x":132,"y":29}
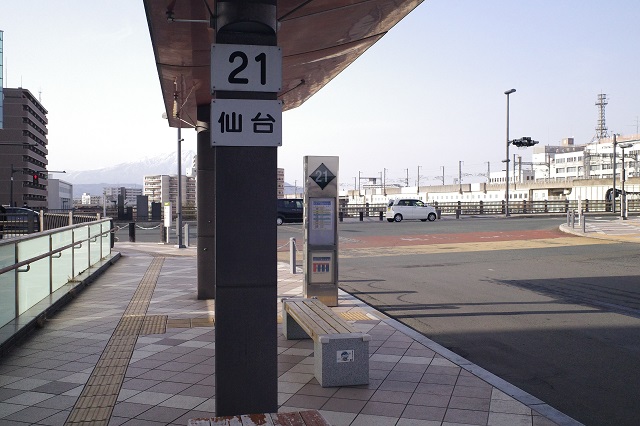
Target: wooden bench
{"x":297,"y":418}
{"x":341,"y":353}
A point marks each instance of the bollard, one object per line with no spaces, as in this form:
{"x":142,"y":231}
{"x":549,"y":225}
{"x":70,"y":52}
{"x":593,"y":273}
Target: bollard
{"x":573,"y":218}
{"x":568,"y":218}
{"x":458,"y":213}
{"x":132,"y":232}
{"x":341,"y":215}
{"x":185,"y":234}
{"x":584,"y":223}
{"x":292,"y":254}
{"x":381,"y":215}
{"x":361,"y":216}
{"x":439,"y":213}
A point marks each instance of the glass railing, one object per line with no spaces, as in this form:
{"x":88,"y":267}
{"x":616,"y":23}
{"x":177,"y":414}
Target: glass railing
{"x":33,"y":267}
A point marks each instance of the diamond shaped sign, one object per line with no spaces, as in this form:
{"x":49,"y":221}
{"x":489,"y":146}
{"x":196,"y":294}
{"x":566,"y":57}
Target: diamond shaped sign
{"x":322,"y":176}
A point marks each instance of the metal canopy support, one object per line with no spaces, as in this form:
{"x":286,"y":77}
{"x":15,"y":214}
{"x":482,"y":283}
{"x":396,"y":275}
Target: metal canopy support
{"x":237,"y":262}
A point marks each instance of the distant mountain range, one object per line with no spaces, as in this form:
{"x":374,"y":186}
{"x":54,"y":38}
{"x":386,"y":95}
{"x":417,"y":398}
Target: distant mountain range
{"x":130,"y":174}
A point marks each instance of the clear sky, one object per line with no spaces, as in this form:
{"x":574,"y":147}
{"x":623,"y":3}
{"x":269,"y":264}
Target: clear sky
{"x":429,"y":94}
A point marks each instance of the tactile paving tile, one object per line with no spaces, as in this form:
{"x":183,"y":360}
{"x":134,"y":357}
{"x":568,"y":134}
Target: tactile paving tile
{"x":154,"y":324}
{"x":190,"y":322}
{"x":354,"y":315}
{"x":95,"y":404}
{"x":202,"y":322}
{"x":178,"y":323}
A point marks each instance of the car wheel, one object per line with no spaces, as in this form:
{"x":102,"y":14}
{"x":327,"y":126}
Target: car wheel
{"x":279,"y":221}
{"x":389,"y":220}
{"x":398,"y":217}
{"x":432,"y":217}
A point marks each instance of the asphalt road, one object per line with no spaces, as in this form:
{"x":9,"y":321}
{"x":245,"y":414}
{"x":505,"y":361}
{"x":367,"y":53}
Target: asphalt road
{"x":556,"y":315}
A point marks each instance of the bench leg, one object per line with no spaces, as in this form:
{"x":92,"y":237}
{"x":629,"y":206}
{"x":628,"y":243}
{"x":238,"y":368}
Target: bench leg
{"x":342,"y":360}
{"x":291,"y":329}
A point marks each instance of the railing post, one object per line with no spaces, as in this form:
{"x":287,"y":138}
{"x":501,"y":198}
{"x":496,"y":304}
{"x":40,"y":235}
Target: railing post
{"x":70,"y":217}
{"x":367,"y":206}
{"x":292,"y":255}
{"x":41,"y":219}
{"x":381,"y":214}
{"x":361,"y":216}
{"x":524,"y":206}
{"x":132,"y":232}
{"x":573,"y":218}
{"x":546,"y":206}
{"x":503,"y":206}
{"x":586,"y":205}
{"x":481,"y":207}
{"x":568,"y":218}
{"x":186,"y":234}
{"x":583,"y":220}
{"x":341,"y":215}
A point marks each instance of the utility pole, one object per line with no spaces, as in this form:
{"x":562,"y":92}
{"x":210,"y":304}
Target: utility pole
{"x":488,"y":172}
{"x":407,"y":170}
{"x":442,"y":175}
{"x":460,"y":175}
{"x":384,"y":181}
{"x":418,"y":186}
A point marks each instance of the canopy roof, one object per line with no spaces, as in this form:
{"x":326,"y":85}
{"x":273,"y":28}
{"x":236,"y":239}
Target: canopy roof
{"x":319,"y":39}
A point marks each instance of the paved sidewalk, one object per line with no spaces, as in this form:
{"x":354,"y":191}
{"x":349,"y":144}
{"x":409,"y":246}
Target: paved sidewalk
{"x":70,"y":370}
{"x":606,"y":228}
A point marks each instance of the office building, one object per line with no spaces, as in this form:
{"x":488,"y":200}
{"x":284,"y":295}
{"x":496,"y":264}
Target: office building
{"x":23,"y":150}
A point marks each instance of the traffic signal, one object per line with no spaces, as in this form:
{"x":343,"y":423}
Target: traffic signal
{"x":35,"y":178}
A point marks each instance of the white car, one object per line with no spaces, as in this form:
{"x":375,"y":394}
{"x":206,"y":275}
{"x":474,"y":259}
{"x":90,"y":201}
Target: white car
{"x":406,"y":208}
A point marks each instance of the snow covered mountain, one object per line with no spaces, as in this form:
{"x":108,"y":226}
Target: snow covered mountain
{"x":126,"y":174}
{"x":131,"y":173}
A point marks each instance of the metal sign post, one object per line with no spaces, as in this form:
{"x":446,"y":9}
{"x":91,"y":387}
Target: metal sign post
{"x":321,"y":229}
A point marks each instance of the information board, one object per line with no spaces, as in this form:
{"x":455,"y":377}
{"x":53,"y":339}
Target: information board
{"x":322,"y":221}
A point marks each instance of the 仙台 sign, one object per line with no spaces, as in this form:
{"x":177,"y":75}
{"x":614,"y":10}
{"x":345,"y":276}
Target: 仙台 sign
{"x":246,"y":122}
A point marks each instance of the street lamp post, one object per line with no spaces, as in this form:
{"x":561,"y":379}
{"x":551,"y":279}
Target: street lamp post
{"x":506,"y":202}
{"x":11,"y":189}
{"x":613,"y":193}
{"x":179,"y":204}
{"x":418,"y":185}
{"x":623,"y":178}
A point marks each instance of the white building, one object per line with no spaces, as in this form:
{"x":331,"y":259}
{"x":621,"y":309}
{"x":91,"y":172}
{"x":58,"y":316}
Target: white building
{"x":59,"y":195}
{"x":91,"y":200}
{"x":590,"y":161}
{"x":164,"y":188}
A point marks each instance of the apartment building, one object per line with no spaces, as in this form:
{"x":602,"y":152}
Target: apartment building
{"x":23,"y":150}
{"x":164,"y":188}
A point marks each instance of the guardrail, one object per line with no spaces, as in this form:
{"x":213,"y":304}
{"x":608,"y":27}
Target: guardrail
{"x":496,"y":207}
{"x":35,"y":266}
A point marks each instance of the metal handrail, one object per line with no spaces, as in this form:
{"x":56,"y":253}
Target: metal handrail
{"x":50,"y":253}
